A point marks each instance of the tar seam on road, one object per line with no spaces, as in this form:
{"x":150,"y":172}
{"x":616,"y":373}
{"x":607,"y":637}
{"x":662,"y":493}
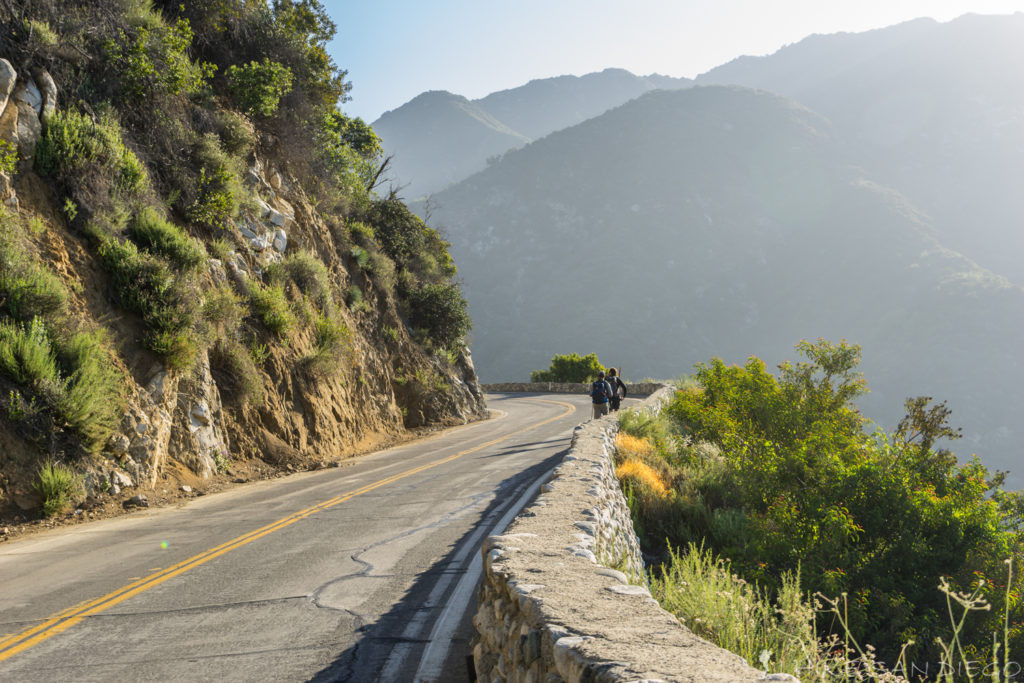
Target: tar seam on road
{"x":19,"y":642}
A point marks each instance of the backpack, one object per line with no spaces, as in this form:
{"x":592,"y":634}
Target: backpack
{"x":599,"y":391}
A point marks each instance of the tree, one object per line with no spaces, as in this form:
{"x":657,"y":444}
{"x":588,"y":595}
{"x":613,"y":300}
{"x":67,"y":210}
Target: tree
{"x":570,"y":368}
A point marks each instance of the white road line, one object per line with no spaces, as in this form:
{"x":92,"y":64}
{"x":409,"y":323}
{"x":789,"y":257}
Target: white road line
{"x":439,"y":642}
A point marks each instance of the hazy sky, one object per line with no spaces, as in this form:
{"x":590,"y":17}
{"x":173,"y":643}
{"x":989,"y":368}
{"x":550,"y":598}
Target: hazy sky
{"x":396,"y":49}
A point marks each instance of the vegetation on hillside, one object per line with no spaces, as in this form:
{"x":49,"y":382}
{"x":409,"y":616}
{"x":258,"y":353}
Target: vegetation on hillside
{"x":781,"y":474}
{"x":166,"y":111}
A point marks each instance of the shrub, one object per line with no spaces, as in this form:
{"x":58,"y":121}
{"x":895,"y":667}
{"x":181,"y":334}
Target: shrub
{"x":27,"y":356}
{"x":309,"y":274}
{"x":71,"y":141}
{"x":877,"y":517}
{"x":211,"y":199}
{"x":8,"y":157}
{"x":56,"y":485}
{"x":153,"y":60}
{"x":145,"y":285}
{"x":150,"y":231}
{"x":440,"y":311}
{"x":27,"y":290}
{"x":354,"y":299}
{"x":257,"y":87}
{"x":91,"y":400}
{"x":214,"y":204}
{"x":223,"y":312}
{"x":271,"y":306}
{"x":570,"y":368}
{"x":333,"y":346}
{"x":362,"y":258}
{"x":236,"y":370}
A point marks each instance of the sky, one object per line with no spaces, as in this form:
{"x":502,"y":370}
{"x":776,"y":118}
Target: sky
{"x":398,"y":49}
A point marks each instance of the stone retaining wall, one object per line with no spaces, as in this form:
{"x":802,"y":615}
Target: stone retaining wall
{"x":563,"y":598}
{"x":632,"y":389}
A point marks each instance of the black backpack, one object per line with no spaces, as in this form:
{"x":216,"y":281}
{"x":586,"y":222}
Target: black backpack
{"x":599,"y":391}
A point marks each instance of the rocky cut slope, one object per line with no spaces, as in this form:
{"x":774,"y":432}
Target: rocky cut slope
{"x":195,"y":277}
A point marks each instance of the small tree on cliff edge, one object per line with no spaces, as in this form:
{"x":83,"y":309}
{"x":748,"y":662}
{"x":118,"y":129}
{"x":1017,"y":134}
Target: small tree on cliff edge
{"x":570,"y":368}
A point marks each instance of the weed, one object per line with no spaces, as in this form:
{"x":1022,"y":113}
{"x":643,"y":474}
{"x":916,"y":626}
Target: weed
{"x":8,"y":157}
{"x":333,"y":345}
{"x":18,"y":409}
{"x":271,"y":306}
{"x":354,"y":299}
{"x":152,"y":232}
{"x":362,"y":258}
{"x":390,"y":333}
{"x":56,"y":484}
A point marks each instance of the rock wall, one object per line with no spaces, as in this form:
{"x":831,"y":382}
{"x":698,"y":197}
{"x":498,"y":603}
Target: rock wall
{"x":632,"y":389}
{"x":563,"y":596}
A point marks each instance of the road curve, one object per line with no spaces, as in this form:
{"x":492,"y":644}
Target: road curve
{"x":359,"y":573}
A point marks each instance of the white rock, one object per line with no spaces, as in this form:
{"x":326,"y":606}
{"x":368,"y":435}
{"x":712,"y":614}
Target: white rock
{"x":8,"y":77}
{"x":119,"y":479}
{"x":280,"y":240}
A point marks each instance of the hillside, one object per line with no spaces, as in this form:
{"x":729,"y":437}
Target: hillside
{"x":197,"y":281}
{"x":934,"y":109}
{"x":729,"y":222}
{"x":438,"y":138}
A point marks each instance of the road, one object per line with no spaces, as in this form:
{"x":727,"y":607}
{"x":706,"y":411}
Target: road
{"x":361,"y":573}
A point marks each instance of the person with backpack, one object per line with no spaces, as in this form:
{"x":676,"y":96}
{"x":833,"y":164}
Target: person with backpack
{"x":600,"y":394}
{"x":618,"y":388}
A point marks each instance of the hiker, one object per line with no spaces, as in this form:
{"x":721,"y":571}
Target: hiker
{"x":618,"y":388}
{"x":600,"y":394}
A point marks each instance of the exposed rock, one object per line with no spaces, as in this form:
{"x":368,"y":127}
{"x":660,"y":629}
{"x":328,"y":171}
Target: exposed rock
{"x":139,"y":500}
{"x":29,"y":128}
{"x":120,"y":479}
{"x":280,"y":240}
{"x":48,"y":90}
{"x":8,"y":77}
{"x":199,"y":438}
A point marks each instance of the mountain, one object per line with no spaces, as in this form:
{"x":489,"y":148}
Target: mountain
{"x":935,"y":109}
{"x":731,"y":222}
{"x":438,"y":138}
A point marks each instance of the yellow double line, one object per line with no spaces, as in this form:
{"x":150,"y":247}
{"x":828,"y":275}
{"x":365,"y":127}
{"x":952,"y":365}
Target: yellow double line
{"x":19,"y":642}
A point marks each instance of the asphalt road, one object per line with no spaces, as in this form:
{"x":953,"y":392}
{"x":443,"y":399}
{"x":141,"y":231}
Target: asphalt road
{"x":360,"y":573}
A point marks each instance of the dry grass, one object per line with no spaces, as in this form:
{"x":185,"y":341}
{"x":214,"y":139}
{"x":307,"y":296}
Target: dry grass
{"x":632,"y":470}
{"x":627,"y":444}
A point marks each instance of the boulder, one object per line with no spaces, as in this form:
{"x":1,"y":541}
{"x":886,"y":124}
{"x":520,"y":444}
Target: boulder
{"x":8,"y":78}
{"x":48,"y":90}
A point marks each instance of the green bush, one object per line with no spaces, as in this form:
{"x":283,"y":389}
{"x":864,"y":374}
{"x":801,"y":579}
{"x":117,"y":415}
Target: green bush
{"x":309,"y":274}
{"x":71,"y":141}
{"x":152,"y":232}
{"x":333,"y":346}
{"x":146,"y":285}
{"x":27,"y":290}
{"x":153,"y":60}
{"x":798,"y":479}
{"x":91,"y":400}
{"x":362,"y":258}
{"x":271,"y":306}
{"x":214,"y":204}
{"x":354,"y":299}
{"x":56,"y":485}
{"x":8,"y":157}
{"x":27,"y":356}
{"x":571,"y":367}
{"x":257,"y":87}
{"x":440,"y":311}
